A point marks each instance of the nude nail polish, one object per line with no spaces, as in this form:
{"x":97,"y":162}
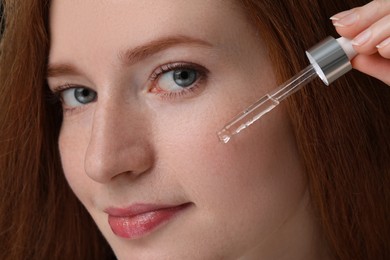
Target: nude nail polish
{"x":362,"y":38}
{"x":384,"y":43}
{"x":346,"y":20}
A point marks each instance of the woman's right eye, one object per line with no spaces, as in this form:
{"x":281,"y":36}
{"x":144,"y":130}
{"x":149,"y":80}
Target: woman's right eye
{"x":77,"y":96}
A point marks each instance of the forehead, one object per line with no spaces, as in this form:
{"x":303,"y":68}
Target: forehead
{"x":90,"y":25}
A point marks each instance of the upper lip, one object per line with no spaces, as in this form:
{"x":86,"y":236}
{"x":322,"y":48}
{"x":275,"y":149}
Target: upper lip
{"x":138,"y":209}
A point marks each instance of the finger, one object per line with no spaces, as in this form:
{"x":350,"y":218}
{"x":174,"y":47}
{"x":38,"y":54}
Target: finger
{"x":368,"y":40}
{"x":373,"y":65}
{"x":384,"y":48}
{"x":350,"y":23}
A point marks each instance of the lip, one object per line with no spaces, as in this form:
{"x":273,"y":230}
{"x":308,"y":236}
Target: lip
{"x":139,"y":220}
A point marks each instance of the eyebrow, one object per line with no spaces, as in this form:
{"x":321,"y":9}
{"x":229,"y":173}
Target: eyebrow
{"x":133,"y":55}
{"x":62,"y":69}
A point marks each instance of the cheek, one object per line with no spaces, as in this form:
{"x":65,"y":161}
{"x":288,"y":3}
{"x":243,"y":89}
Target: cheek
{"x":260,"y":161}
{"x":258,"y":172}
{"x":72,"y":150}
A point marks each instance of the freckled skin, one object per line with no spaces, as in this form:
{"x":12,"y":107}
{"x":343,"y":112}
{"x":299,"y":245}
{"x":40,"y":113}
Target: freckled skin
{"x":249,"y":197}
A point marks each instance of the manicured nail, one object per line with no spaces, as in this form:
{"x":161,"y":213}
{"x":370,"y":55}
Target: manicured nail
{"x":340,"y":15}
{"x":344,"y":19}
{"x":384,"y":43}
{"x":361,"y":38}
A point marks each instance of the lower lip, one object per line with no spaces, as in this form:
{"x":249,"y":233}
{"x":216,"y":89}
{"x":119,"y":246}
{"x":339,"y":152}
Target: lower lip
{"x":139,"y":225}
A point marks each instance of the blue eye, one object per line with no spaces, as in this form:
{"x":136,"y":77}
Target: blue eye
{"x":177,"y":79}
{"x":74,"y":97}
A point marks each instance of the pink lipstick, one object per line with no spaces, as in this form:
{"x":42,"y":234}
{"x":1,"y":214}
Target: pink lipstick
{"x":140,"y":219}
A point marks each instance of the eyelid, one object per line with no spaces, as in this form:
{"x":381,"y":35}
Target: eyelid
{"x":60,"y":88}
{"x":177,"y":65}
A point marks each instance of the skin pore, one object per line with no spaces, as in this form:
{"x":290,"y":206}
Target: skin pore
{"x":132,"y":135}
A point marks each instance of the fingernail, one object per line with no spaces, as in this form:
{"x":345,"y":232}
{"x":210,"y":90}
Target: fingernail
{"x":340,"y":15}
{"x":384,"y":43}
{"x":361,"y":38}
{"x":344,"y":19}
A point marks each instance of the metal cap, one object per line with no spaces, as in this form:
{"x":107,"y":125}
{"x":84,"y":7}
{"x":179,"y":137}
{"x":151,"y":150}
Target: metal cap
{"x":329,"y":60}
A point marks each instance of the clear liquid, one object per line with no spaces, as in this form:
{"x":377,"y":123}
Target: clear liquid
{"x":248,"y":117}
{"x":266,"y":104}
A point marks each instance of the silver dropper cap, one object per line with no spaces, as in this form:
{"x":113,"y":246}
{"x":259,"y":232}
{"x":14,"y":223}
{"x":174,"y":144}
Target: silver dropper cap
{"x":330,"y":59}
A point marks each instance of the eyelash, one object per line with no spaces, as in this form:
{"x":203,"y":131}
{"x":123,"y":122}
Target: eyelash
{"x":161,"y":70}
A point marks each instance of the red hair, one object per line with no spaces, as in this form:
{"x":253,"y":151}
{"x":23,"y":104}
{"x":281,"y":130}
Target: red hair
{"x":40,"y":217}
{"x":342,"y":132}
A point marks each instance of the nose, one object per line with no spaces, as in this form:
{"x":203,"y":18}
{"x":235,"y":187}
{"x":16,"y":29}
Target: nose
{"x":118,"y":142}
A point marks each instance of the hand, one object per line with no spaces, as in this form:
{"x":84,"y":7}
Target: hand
{"x":369,"y":27}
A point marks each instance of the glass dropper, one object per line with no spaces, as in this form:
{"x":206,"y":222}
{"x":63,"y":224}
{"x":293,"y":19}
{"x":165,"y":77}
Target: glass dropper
{"x":330,"y":59}
{"x":266,"y":104}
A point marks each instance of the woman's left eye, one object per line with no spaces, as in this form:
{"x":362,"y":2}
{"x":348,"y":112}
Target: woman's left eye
{"x":177,"y":78}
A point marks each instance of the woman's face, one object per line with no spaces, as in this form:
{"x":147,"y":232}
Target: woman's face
{"x":145,"y":87}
